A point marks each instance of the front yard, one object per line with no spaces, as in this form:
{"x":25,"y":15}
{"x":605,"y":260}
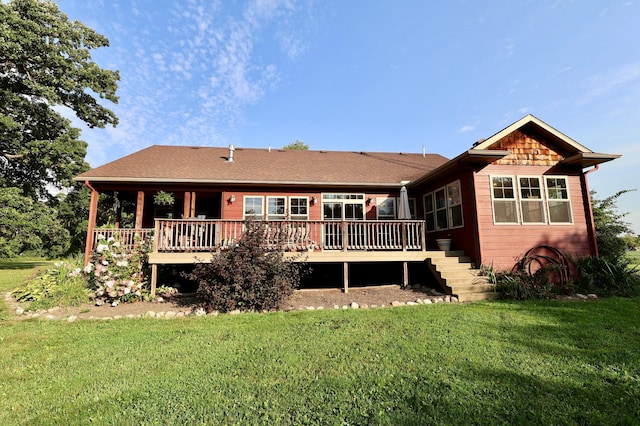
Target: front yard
{"x":484,"y":363}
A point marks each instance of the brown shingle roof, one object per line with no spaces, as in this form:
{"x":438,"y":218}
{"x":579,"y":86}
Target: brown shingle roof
{"x":160,"y":163}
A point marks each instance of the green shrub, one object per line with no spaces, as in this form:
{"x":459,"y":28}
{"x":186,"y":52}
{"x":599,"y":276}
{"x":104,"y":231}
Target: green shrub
{"x":62,"y":285}
{"x":247,"y":276}
{"x":522,"y":285}
{"x":607,"y":277}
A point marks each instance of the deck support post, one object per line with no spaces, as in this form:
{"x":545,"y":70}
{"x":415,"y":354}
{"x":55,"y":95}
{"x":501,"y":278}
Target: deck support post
{"x":345,"y":277}
{"x":405,"y":274}
{"x":154,"y":278}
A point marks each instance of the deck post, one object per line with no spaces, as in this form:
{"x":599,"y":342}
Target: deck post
{"x":423,"y":239}
{"x":345,"y":277}
{"x":93,"y":213}
{"x":139,"y":209}
{"x":404,"y":236}
{"x":186,"y":205}
{"x":345,"y":238}
{"x":154,"y":278}
{"x":405,"y":274}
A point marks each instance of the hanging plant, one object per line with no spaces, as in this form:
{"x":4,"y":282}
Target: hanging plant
{"x":163,"y":198}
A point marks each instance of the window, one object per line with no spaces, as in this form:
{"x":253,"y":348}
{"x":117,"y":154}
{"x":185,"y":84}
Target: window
{"x":299,"y":208}
{"x":429,"y":212}
{"x":386,"y":208}
{"x":343,"y":206}
{"x":558,"y":200}
{"x":443,"y":208}
{"x":509,"y":192}
{"x":253,"y":206}
{"x":454,"y":204}
{"x":276,"y":208}
{"x":503,"y":195}
{"x":531,"y":203}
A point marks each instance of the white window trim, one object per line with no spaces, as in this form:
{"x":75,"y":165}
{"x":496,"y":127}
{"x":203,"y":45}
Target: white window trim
{"x":393,"y":216}
{"x":516,"y":193}
{"x":298,"y":198}
{"x":433,"y":212}
{"x":246,"y":215}
{"x":543,"y":200}
{"x":547,"y":199}
{"x":275,"y":217}
{"x":446,"y":208}
{"x":449,"y":217}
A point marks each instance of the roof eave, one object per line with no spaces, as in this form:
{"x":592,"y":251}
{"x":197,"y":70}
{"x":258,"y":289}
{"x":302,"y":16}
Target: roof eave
{"x":588,"y":159}
{"x":234,"y":182}
{"x":475,"y":158}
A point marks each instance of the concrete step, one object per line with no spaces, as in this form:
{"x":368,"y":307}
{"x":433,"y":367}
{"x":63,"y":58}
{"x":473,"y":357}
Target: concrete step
{"x":475,"y":297}
{"x":474,"y":288}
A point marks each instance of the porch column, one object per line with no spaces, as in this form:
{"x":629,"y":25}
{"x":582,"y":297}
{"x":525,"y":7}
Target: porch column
{"x":345,"y":277}
{"x":192,"y":212}
{"x":186,"y":205}
{"x":139,"y":209}
{"x":93,"y":213}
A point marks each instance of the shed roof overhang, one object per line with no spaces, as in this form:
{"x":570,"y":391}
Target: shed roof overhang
{"x":474,"y":158}
{"x":588,"y":159}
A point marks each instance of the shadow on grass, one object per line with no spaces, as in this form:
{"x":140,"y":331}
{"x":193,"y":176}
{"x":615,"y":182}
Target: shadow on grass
{"x":23,"y":264}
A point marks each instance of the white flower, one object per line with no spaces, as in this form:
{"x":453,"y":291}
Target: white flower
{"x":105,"y":263}
{"x":116,"y":244}
{"x":102,"y":247}
{"x":110,"y":239}
{"x":88,"y":268}
{"x":122,"y":263}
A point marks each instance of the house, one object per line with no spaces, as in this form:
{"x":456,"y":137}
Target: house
{"x":523,"y":187}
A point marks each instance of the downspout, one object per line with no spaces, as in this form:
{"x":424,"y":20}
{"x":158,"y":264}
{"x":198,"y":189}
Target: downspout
{"x":93,"y":207}
{"x":592,"y":225}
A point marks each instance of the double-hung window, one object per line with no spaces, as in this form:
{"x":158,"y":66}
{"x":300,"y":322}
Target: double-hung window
{"x":276,"y":208}
{"x":503,"y":195}
{"x":299,"y":208}
{"x":558,"y":200}
{"x":538,"y":203}
{"x":531,"y":202}
{"x":443,"y":208}
{"x":386,"y":208}
{"x":253,"y":206}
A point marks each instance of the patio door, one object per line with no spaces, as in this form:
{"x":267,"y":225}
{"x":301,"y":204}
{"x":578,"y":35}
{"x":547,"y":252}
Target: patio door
{"x":337,"y":208}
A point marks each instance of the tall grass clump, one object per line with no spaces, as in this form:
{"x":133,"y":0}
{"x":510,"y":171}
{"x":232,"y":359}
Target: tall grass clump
{"x":61,"y":285}
{"x":607,"y":276}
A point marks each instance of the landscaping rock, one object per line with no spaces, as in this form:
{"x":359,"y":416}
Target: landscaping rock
{"x":427,"y":301}
{"x":199,"y":312}
{"x":179,"y":314}
{"x":447,"y":299}
{"x":310,"y":308}
{"x":235,"y":312}
{"x":592,"y":296}
{"x":170,"y":314}
{"x":454,"y":299}
{"x":72,"y":318}
{"x":412,"y":304}
{"x":150,"y":314}
{"x":354,"y":305}
{"x":581,"y":296}
{"x":160,"y":314}
{"x":336,"y":306}
{"x":364,"y":306}
{"x":19,"y":311}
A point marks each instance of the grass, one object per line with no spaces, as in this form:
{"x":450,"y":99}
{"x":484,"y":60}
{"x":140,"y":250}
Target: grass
{"x":634,"y":256}
{"x":483,"y":363}
{"x":14,"y":272}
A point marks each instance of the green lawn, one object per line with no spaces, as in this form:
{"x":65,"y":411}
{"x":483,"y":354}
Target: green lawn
{"x":483,"y":363}
{"x":634,"y":256}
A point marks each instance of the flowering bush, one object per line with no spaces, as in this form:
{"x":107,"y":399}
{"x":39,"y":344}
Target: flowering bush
{"x":118,"y":272}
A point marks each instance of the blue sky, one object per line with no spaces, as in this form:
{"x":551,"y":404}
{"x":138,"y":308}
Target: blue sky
{"x":371,"y":75}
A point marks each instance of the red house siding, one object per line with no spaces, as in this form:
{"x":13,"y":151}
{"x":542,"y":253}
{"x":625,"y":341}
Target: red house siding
{"x":502,"y":245}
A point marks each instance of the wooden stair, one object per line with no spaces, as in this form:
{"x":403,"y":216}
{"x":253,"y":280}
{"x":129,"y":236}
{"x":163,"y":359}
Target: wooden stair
{"x":458,"y":277}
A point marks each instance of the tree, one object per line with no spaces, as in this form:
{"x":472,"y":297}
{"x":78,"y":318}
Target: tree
{"x":610,"y":226}
{"x":297,"y":145}
{"x":45,"y":64}
{"x":28,"y":226}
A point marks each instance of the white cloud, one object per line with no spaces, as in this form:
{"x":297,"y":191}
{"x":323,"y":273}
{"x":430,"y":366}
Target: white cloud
{"x":466,"y":128}
{"x":604,"y":84}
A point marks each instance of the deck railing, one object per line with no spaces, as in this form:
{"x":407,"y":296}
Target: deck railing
{"x":178,"y":235}
{"x":126,"y":237}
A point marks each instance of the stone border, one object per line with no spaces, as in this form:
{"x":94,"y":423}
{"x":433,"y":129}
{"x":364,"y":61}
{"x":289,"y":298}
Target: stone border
{"x":52,"y":314}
